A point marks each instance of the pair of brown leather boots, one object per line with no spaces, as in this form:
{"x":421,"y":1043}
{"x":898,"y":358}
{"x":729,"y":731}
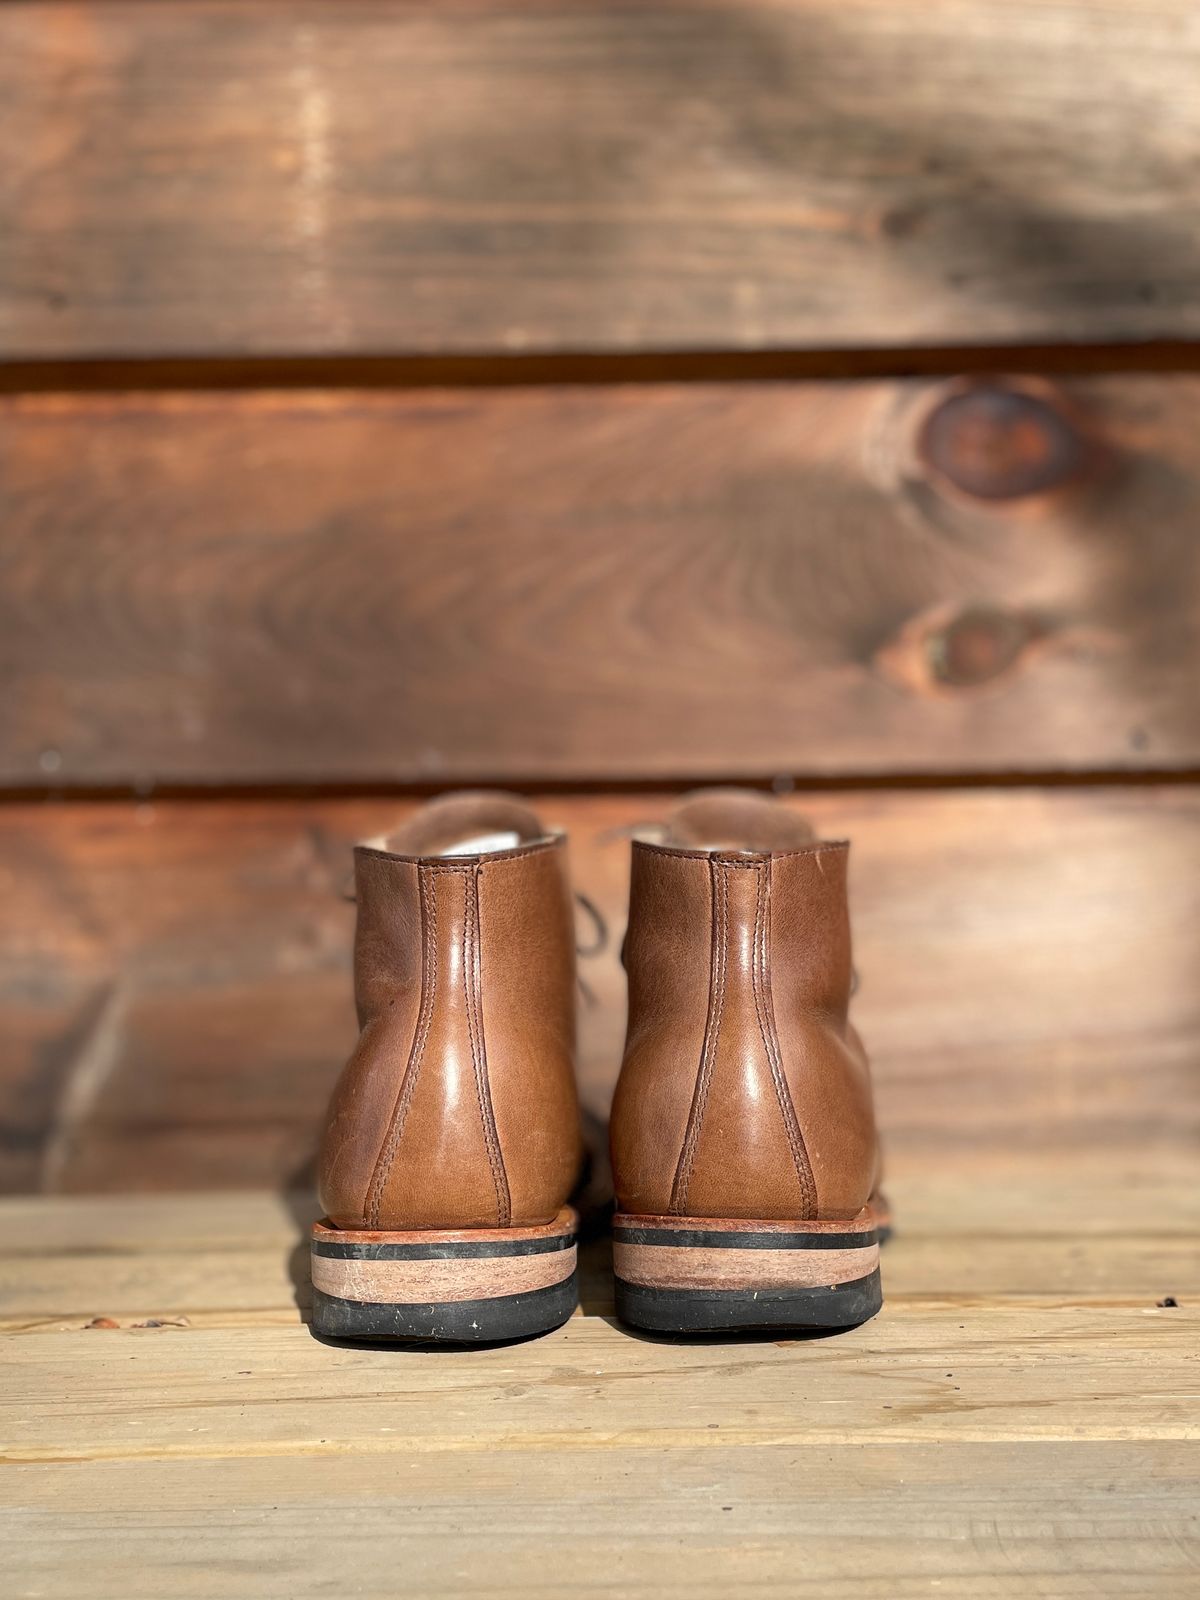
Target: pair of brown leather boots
{"x":744,"y":1152}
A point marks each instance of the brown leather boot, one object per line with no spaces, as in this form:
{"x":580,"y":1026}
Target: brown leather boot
{"x":452,"y":1142}
{"x":744,"y":1151}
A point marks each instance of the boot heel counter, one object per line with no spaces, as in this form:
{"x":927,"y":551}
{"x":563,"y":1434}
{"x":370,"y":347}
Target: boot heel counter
{"x":388,"y":988}
{"x":439,"y":1162}
{"x":744,"y":1092}
{"x":831,"y":1089}
{"x":744,"y":1153}
{"x":475,"y":1117}
{"x":527,"y":985}
{"x":667,"y":958}
{"x":823,"y":1057}
{"x":354,"y":1133}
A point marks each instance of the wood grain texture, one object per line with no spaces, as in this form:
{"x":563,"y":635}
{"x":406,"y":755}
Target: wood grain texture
{"x":657,"y":582}
{"x":1125,"y":1357}
{"x":509,"y":175}
{"x":1067,"y":1234}
{"x":982,"y":1520}
{"x":176,"y":983}
{"x":1000,"y":1429}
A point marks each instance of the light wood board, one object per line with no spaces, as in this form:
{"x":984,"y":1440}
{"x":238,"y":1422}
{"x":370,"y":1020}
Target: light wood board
{"x":1022,"y":1417}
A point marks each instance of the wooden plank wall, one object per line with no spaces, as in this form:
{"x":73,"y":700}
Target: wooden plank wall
{"x":598,"y":398}
{"x":657,"y":581}
{"x":210,"y":177}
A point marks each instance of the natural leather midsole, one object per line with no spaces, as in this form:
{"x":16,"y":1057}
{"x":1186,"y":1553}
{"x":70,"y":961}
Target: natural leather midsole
{"x":427,"y":1265}
{"x":701,"y":1253}
{"x":405,"y":1282}
{"x":676,"y":1268}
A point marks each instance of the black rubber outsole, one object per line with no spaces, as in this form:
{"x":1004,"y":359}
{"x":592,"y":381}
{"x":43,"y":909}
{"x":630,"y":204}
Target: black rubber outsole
{"x":492,"y":1321}
{"x":845,"y":1305}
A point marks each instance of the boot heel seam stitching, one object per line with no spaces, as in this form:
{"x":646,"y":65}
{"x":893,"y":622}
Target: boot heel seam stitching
{"x":760,"y":980}
{"x":475,"y":1034}
{"x":712,"y":1033}
{"x":387,"y":1155}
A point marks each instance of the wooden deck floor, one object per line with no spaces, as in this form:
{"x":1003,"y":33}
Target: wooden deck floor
{"x":1021,"y":1420}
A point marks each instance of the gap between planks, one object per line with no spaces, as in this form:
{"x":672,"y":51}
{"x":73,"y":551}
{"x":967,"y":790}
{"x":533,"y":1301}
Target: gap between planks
{"x":582,"y":368}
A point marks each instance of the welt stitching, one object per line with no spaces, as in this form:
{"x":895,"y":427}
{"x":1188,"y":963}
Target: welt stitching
{"x":478,"y":1044}
{"x":760,"y":982}
{"x":387,"y":1155}
{"x":712,"y":1030}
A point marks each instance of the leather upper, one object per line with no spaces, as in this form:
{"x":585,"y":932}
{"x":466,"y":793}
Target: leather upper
{"x":744,"y":1091}
{"x":458,"y":1106}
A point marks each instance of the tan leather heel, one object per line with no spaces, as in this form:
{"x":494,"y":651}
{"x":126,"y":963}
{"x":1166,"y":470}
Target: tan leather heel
{"x":706,"y":1274}
{"x":453,"y":1133}
{"x":462,"y":1285}
{"x":743,"y":1118}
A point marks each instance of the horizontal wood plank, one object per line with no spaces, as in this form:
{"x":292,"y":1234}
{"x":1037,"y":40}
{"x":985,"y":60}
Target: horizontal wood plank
{"x":1078,"y":1230}
{"x":176,"y":975}
{"x":662,"y":582}
{"x":997,"y":1430}
{"x":895,"y":1521}
{"x":1089,"y":1372}
{"x":209,"y":177}
{"x":251,"y":1283}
